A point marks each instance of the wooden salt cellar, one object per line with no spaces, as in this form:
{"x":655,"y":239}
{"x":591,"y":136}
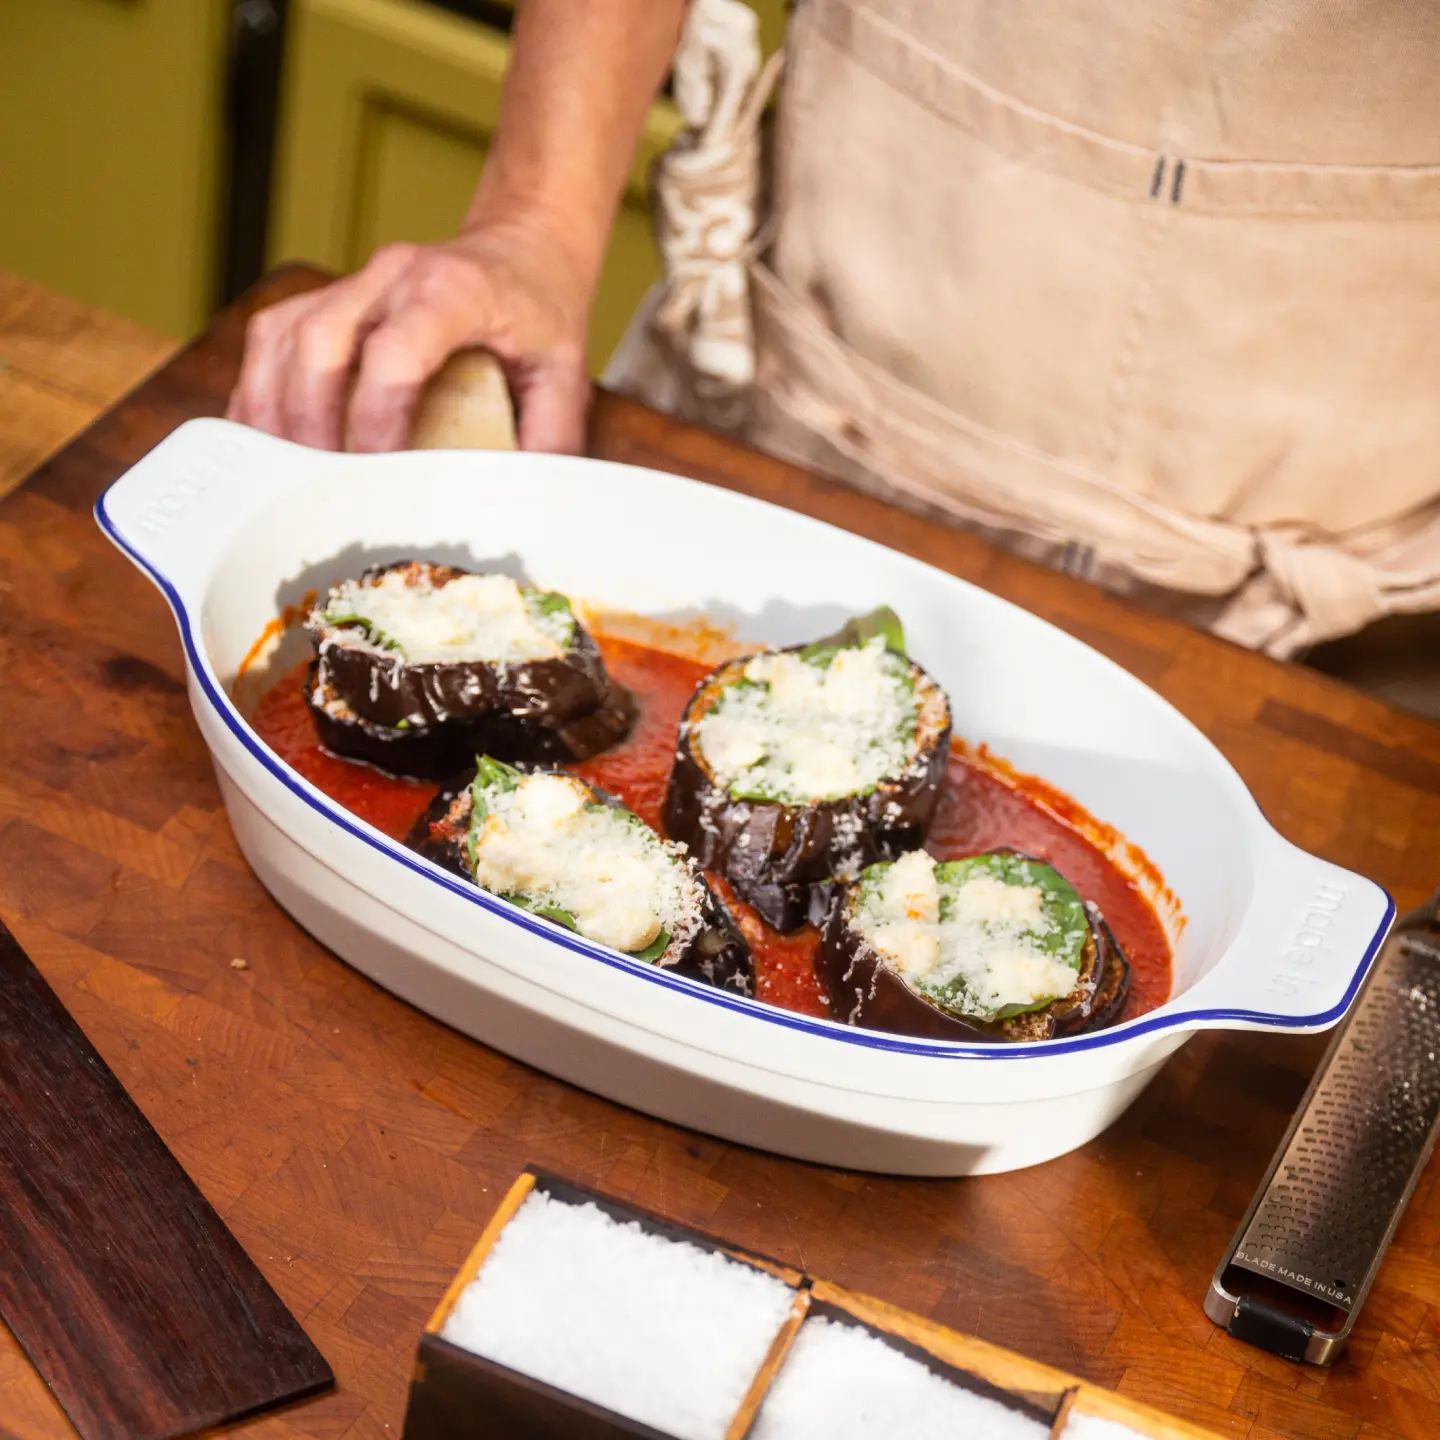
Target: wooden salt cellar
{"x":457,"y":1395}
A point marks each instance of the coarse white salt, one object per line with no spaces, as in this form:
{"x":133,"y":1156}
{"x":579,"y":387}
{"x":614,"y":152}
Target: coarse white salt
{"x":657,"y":1330}
{"x":839,"y":1382}
{"x":1079,"y":1426}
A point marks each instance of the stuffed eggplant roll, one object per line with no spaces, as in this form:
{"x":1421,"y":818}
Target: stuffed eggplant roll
{"x":995,"y":947}
{"x":551,"y":844}
{"x":420,"y":667}
{"x":796,"y":768}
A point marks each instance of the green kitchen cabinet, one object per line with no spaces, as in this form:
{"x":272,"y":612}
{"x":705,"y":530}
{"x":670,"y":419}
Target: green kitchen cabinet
{"x":111,"y":115}
{"x":112,"y":146}
{"x":388,"y":110}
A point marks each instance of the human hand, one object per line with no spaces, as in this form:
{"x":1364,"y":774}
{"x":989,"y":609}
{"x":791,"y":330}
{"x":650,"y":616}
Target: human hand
{"x":512,"y":288}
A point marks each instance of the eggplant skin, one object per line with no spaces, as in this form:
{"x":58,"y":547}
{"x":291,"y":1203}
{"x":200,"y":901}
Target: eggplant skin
{"x":567,"y":708}
{"x":789,"y":861}
{"x":716,"y":954}
{"x":419,"y":754}
{"x":865,"y":991}
{"x":439,"y":834}
{"x":436,"y":752}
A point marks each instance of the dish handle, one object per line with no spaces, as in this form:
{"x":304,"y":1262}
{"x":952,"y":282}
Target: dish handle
{"x":1304,"y":948}
{"x":175,"y":509}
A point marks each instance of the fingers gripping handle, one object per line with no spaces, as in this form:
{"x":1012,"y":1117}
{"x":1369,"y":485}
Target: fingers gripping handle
{"x":465,"y":406}
{"x":171,"y":510}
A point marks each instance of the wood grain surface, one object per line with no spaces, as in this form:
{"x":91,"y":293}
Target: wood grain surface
{"x":357,"y":1148}
{"x":61,"y":363}
{"x":137,"y":1304}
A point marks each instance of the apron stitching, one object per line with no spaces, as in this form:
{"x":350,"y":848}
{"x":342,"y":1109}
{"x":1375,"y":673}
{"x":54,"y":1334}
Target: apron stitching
{"x":967,"y":78}
{"x":912,"y":486}
{"x":909,"y":486}
{"x":1239,"y":186}
{"x":1135,"y":357}
{"x":857,"y":29}
{"x":1179,"y":181}
{"x":791,"y":316}
{"x":1126,"y":364}
{"x":1078,"y":559}
{"x":786,"y":140}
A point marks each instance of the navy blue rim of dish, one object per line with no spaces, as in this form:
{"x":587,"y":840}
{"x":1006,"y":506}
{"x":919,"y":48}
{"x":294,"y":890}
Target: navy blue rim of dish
{"x":771,"y":1014}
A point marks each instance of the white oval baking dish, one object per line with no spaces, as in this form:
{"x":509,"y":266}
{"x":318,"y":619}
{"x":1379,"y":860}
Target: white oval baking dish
{"x":233,"y":525}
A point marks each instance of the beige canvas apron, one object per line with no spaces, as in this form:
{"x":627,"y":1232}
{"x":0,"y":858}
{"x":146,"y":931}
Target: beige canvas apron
{"x":1150,"y":290}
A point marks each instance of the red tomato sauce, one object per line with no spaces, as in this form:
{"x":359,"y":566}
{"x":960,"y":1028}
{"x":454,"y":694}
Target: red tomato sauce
{"x":283,"y":723}
{"x":982,"y":807}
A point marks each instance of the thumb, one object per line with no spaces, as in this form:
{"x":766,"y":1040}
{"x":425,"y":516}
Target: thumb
{"x":553,"y":398}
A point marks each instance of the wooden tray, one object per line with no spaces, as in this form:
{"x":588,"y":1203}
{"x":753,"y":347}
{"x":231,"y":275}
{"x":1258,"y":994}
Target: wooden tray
{"x":456,"y":1395}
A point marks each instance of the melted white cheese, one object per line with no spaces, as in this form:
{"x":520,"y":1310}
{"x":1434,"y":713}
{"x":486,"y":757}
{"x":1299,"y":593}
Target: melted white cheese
{"x":988,"y":939}
{"x":988,"y":900}
{"x":806,"y":732}
{"x":547,"y":840}
{"x":910,"y":890}
{"x":473,"y":617}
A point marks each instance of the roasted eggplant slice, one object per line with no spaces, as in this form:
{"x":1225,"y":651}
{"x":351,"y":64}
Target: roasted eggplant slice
{"x":420,"y":666}
{"x":997,"y":947}
{"x":796,"y":768}
{"x":548,"y":842}
{"x":432,"y":752}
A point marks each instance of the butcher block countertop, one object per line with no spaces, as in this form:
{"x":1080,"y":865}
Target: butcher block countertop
{"x":356,"y":1147}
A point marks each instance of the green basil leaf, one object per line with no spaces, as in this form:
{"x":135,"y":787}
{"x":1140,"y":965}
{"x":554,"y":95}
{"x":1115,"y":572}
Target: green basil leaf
{"x":543,"y":909}
{"x":490,"y":775}
{"x":1069,"y":925}
{"x":545,"y":603}
{"x":1009,"y":1012}
{"x":881,"y":621}
{"x":1064,"y":938}
{"x":548,"y":602}
{"x":373,"y":633}
{"x":553,"y":913}
{"x":655,"y":949}
{"x":493,"y":774}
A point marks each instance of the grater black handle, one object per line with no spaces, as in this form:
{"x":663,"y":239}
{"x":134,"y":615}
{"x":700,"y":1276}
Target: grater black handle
{"x":1277,"y":1331}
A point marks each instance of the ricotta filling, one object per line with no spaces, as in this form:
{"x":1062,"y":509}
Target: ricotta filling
{"x":471,"y":618}
{"x":802,"y":729}
{"x":990,"y":937}
{"x":548,"y":845}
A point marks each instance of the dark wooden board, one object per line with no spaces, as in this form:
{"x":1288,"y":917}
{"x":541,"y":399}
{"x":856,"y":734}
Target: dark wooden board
{"x":356,"y":1147}
{"x":122,"y":1283}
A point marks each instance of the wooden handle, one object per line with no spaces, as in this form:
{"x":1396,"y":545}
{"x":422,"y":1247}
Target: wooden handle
{"x":466,"y":406}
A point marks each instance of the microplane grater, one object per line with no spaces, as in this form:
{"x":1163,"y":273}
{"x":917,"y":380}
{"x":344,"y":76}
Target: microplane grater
{"x":1323,"y":1216}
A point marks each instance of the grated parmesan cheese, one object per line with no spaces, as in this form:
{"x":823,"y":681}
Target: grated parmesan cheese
{"x":802,"y":730}
{"x":549,"y":841}
{"x":979,"y":946}
{"x":471,"y":618}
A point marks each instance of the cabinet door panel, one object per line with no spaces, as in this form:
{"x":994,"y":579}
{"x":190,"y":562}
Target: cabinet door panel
{"x":110,"y":115}
{"x":419,"y":172}
{"x":389,"y":109}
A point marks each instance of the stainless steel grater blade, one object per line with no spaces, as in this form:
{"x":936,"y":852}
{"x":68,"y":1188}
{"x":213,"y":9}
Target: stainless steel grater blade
{"x":1307,"y":1251}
